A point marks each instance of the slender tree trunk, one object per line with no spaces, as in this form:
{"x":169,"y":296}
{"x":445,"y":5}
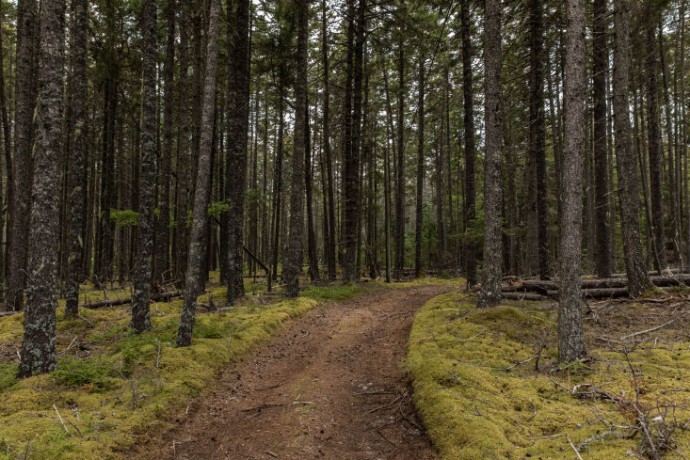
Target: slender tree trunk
{"x":537,"y":134}
{"x":570,"y":330}
{"x":654,"y":138}
{"x":38,"y":347}
{"x":628,"y":175}
{"x":313,"y":257}
{"x":77,"y":88}
{"x":238,"y":138}
{"x":23,"y":141}
{"x":470,"y":151}
{"x":294,"y":259}
{"x":278,"y":177}
{"x":329,"y":240}
{"x":419,"y":208}
{"x":162,"y":257}
{"x":141,"y":320}
{"x":490,"y":293}
{"x":198,"y":239}
{"x":601,"y":186}
{"x":400,"y":163}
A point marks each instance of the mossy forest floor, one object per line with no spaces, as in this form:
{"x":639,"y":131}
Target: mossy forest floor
{"x":487,"y":385}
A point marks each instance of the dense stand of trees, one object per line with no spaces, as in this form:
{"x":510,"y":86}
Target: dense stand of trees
{"x":339,"y":140}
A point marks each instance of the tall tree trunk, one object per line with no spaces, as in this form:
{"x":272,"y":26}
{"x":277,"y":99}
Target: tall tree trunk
{"x":330,"y":228}
{"x":470,"y":151}
{"x":141,"y":320}
{"x":570,"y":330}
{"x":628,"y":175}
{"x":537,"y":134}
{"x":199,"y":232}
{"x":294,"y":259}
{"x":601,"y":166}
{"x":238,"y":129}
{"x":351,"y":147}
{"x":7,"y":151}
{"x":419,"y":207}
{"x":23,"y":141}
{"x":654,"y":138}
{"x":490,"y":293}
{"x":38,"y":347}
{"x":312,"y":250}
{"x":162,"y":257}
{"x":400,"y":163}
{"x":77,"y":88}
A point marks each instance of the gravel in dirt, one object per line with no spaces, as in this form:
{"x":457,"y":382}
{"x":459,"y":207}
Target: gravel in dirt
{"x":330,"y":386}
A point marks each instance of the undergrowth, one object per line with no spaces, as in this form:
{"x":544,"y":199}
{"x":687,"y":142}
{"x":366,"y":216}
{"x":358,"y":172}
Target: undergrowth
{"x":487,"y":387}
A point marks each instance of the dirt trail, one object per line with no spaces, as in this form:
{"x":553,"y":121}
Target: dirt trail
{"x":330,"y":386}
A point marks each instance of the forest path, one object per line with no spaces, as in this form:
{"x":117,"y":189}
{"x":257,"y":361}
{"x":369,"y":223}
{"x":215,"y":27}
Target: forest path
{"x":330,"y":386}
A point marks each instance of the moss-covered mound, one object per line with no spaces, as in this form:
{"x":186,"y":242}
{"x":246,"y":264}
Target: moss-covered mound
{"x":487,"y":387}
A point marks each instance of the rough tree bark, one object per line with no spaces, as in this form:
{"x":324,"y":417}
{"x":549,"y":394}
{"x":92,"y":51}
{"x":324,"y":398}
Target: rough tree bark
{"x":419,"y":205}
{"x":141,"y":320}
{"x":570,"y":331}
{"x":294,"y":259}
{"x":23,"y":140}
{"x":490,"y":293}
{"x":38,"y":347}
{"x":628,"y":173}
{"x":601,"y":186}
{"x":238,"y":128}
{"x":198,"y":239}
{"x":77,"y":88}
{"x":330,"y":228}
{"x":470,"y":149}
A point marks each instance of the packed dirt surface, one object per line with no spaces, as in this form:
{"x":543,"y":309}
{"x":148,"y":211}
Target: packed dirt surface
{"x":330,"y":386}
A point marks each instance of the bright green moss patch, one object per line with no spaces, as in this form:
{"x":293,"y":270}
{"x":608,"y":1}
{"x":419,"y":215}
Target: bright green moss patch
{"x":480,"y":396}
{"x":111,"y":387}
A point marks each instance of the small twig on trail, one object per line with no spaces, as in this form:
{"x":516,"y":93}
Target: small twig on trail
{"x":271,"y":387}
{"x":574,"y":448}
{"x":272,"y":454}
{"x":647,"y":331}
{"x":261,"y":407}
{"x":60,"y":417}
{"x":387,"y":405}
{"x":387,"y":440}
{"x":408,"y":419}
{"x":374,"y":393}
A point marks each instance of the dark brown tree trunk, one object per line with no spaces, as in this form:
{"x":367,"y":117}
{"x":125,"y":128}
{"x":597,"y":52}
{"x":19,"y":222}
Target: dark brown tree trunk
{"x":419,"y":205}
{"x":78,"y":154}
{"x":537,"y":134}
{"x":293,"y":265}
{"x":141,"y":320}
{"x":38,"y":347}
{"x":400,"y":165}
{"x":312,"y":250}
{"x":490,"y":294}
{"x":654,"y":138}
{"x":184,"y":167}
{"x":352,"y":113}
{"x":198,"y":239}
{"x":330,"y":227}
{"x":278,"y":177}
{"x":601,"y":164}
{"x":162,"y":258}
{"x":20,"y":213}
{"x":5,"y":218}
{"x":570,"y":330}
{"x":470,"y":210}
{"x":625,"y":157}
{"x":238,"y":129}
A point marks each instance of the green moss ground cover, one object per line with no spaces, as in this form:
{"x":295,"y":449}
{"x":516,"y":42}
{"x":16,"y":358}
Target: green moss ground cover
{"x":480,"y":396}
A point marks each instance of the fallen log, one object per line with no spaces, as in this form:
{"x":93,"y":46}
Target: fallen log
{"x":543,"y":287}
{"x":125,"y":300}
{"x":514,"y":295}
